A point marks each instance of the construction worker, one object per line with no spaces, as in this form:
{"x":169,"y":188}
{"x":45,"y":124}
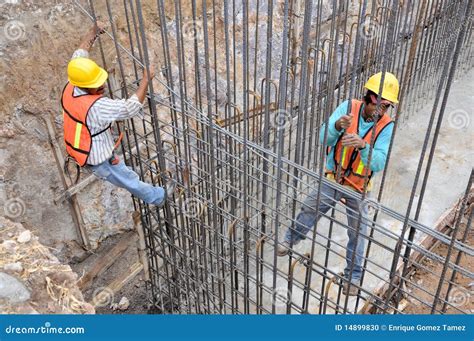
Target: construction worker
{"x":88,"y":117}
{"x":348,"y":144}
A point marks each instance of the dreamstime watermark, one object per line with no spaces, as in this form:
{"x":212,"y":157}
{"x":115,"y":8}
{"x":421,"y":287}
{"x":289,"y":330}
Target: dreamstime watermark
{"x":281,"y":297}
{"x":282,"y":119}
{"x":114,"y":19}
{"x":14,"y":30}
{"x":14,"y":208}
{"x":192,"y":29}
{"x":46,"y":329}
{"x":369,"y":29}
{"x":452,"y":35}
{"x":192,"y":207}
{"x":459,"y":119}
{"x":102,"y":297}
{"x":459,"y":297}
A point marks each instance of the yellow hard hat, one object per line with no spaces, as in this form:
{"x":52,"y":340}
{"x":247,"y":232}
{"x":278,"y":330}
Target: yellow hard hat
{"x":390,"y":86}
{"x":85,"y":73}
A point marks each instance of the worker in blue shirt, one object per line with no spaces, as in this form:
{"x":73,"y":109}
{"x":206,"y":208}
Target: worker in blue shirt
{"x":347,"y":147}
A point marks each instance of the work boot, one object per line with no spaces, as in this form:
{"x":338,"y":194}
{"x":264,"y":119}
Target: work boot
{"x":170,"y":187}
{"x":352,"y":291}
{"x":162,"y":202}
{"x":283,"y":249}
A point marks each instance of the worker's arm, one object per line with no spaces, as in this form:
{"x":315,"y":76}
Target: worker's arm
{"x":334,"y":128}
{"x":88,"y":40}
{"x":91,"y":36}
{"x":110,"y":110}
{"x":140,"y":94}
{"x":143,"y":86}
{"x":115,"y":110}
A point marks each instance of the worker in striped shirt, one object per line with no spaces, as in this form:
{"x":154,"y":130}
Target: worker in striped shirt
{"x":88,"y":116}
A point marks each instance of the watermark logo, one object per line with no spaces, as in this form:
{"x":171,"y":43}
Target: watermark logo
{"x":47,"y":328}
{"x":369,"y":29}
{"x":281,"y":297}
{"x":102,"y":297}
{"x":459,"y":297}
{"x":281,"y":120}
{"x":459,"y":119}
{"x":193,"y":29}
{"x":14,"y":30}
{"x":14,"y":208}
{"x":192,"y":208}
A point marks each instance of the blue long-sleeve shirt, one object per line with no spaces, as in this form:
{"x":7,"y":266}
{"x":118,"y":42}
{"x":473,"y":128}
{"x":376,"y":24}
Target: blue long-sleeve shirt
{"x":380,"y":150}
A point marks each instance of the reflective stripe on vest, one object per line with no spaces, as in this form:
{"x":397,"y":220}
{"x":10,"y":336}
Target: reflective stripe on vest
{"x":77,"y":138}
{"x":360,"y":168}
{"x":344,"y":153}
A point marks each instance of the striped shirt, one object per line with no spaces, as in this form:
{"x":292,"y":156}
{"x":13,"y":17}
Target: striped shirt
{"x":102,"y":113}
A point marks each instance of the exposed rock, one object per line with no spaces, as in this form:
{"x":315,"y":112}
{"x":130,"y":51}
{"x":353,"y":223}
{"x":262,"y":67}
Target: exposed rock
{"x":41,"y":283}
{"x":24,"y":237}
{"x":14,"y":267}
{"x":9,"y":246}
{"x":12,"y":290}
{"x":123,"y":304}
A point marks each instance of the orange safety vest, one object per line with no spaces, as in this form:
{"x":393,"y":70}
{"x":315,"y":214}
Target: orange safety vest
{"x":77,"y":135}
{"x":353,"y":169}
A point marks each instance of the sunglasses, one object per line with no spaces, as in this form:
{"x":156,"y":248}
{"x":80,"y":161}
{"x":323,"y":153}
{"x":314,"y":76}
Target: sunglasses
{"x":384,"y":104}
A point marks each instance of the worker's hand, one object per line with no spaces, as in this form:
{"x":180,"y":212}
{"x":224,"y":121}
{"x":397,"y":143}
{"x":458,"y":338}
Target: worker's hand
{"x":99,"y":27}
{"x":150,"y":71}
{"x":143,"y":86}
{"x":353,"y":140}
{"x":344,"y":122}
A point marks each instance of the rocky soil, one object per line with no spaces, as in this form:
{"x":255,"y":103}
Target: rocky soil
{"x":32,"y":279}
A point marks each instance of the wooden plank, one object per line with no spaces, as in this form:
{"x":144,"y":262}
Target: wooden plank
{"x":125,"y":278}
{"x":105,"y":262}
{"x":117,"y":285}
{"x":141,"y":245}
{"x":68,"y":193}
{"x":76,"y":211}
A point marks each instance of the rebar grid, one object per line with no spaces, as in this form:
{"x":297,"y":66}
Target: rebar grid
{"x":233,"y":121}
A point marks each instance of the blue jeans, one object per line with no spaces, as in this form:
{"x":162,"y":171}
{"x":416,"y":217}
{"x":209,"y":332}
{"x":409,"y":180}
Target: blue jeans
{"x":122,"y":176}
{"x":308,"y":216}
